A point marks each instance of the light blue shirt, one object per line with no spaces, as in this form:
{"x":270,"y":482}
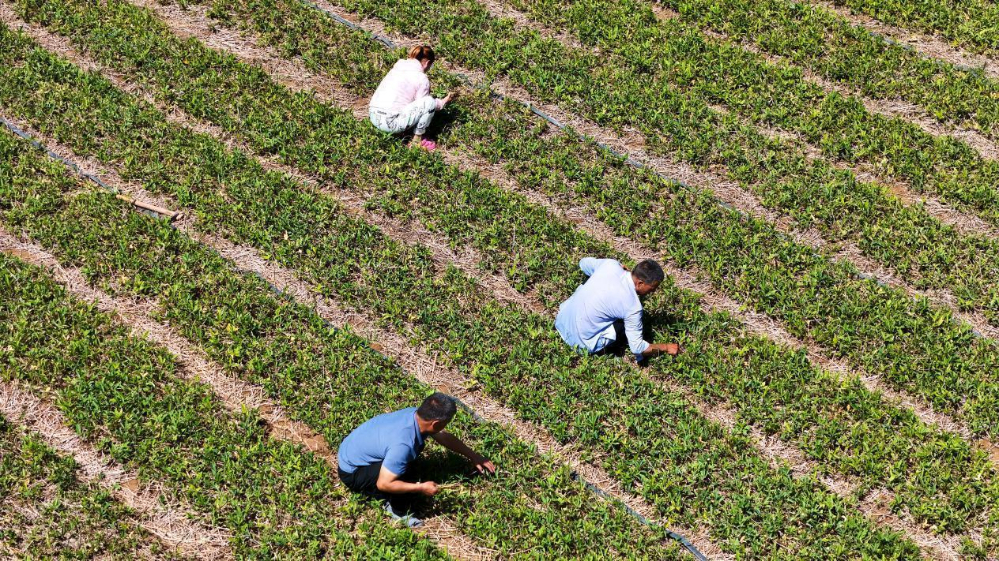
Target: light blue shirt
{"x":391,"y":438}
{"x":586,"y":320}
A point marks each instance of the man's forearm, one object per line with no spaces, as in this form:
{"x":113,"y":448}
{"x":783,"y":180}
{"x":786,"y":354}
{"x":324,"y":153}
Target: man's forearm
{"x":661,"y":348}
{"x":397,"y":486}
{"x":454,"y":444}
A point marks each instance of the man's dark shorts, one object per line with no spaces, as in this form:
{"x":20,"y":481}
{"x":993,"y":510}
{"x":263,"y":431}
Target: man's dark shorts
{"x":364,"y":480}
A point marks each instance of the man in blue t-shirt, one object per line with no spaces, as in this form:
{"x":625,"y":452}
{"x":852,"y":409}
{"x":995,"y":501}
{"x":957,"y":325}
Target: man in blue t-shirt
{"x":375,"y":456}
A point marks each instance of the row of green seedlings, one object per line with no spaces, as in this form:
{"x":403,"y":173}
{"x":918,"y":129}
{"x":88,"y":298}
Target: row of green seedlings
{"x":904,"y":238}
{"x":50,"y":511}
{"x":122,"y":394}
{"x":329,"y":379}
{"x":830,"y":46}
{"x":305,"y":248}
{"x":721,"y":73}
{"x":972,"y":24}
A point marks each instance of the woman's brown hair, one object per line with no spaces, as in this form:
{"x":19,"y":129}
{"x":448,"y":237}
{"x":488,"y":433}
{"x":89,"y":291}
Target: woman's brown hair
{"x":422,"y":53}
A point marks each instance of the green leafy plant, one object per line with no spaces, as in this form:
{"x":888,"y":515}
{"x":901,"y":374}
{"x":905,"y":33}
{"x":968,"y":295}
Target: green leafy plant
{"x":48,"y":512}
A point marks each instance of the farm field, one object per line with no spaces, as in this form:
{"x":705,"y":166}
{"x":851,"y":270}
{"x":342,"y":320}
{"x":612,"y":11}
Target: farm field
{"x":824,"y":200}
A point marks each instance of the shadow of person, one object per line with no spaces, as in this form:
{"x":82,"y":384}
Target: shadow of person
{"x":446,"y":120}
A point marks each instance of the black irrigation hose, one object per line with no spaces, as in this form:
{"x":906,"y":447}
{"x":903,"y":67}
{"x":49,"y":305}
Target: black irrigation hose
{"x":19,"y":132}
{"x":890,"y":41}
{"x":607,"y":496}
{"x":672,"y":535}
{"x":73,"y":167}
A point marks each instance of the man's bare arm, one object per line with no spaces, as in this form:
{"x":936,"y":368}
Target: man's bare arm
{"x":455,"y":445}
{"x":389,"y":482}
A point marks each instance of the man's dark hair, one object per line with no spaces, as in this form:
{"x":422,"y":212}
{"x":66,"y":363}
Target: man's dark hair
{"x":437,"y":407}
{"x":649,"y":272}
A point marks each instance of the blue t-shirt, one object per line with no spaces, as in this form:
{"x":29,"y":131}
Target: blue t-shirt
{"x":391,"y":438}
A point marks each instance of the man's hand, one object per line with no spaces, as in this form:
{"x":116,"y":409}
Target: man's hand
{"x":428,"y":488}
{"x":482,"y":465}
{"x":667,"y":348}
{"x":451,"y":442}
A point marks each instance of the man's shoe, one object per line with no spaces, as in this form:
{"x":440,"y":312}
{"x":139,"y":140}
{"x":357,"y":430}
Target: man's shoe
{"x":407,"y":519}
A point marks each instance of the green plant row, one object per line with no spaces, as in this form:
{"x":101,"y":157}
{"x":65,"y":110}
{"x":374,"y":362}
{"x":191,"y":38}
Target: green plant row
{"x":840,"y":442}
{"x":777,"y":96}
{"x":829,"y":45}
{"x":121,"y":393}
{"x":650,"y":439}
{"x":860,"y":321}
{"x":904,"y":238}
{"x":973,"y":24}
{"x":329,"y":379}
{"x":47,"y":512}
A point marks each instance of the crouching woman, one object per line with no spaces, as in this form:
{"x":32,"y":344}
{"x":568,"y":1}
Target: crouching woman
{"x":403,"y":102}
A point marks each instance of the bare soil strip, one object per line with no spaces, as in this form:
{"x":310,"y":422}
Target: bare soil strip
{"x":929,"y":46}
{"x":171,"y":523}
{"x":912,"y":113}
{"x":194,"y":23}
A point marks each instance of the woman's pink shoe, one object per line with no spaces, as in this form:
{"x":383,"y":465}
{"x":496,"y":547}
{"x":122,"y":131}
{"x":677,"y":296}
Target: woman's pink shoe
{"x":428,"y":145}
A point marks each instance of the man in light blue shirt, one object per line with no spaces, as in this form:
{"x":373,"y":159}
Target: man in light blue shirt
{"x":607,"y":304}
{"x":374,"y":458}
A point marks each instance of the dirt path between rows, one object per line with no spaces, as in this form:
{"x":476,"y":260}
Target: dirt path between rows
{"x":173,"y":524}
{"x":929,"y":46}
